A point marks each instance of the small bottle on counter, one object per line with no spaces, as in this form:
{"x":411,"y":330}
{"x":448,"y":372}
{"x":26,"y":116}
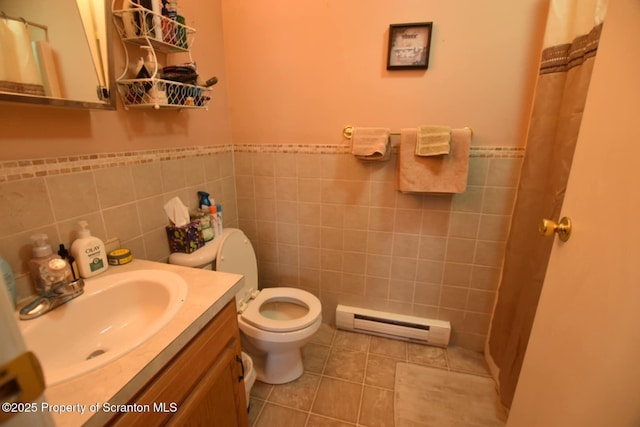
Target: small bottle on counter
{"x":65,"y":255}
{"x":89,"y":252}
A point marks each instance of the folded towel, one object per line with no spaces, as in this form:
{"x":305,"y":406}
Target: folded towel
{"x":433,"y":140}
{"x":370,"y":143}
{"x":434,"y":174}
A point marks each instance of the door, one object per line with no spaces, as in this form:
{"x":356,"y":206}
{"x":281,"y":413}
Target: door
{"x":582,"y":366}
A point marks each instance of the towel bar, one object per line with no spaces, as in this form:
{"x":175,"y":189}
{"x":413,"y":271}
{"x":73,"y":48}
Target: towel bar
{"x":347,"y":131}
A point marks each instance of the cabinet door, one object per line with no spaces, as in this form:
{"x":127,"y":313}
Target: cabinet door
{"x":202,"y":385}
{"x":213,"y":400}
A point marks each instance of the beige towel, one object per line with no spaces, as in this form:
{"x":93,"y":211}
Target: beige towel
{"x":370,"y":143}
{"x":442,"y":174}
{"x":433,"y":140}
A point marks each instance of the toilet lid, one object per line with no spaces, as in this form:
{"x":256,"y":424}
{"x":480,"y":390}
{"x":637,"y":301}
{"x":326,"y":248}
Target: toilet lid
{"x":282,"y":310}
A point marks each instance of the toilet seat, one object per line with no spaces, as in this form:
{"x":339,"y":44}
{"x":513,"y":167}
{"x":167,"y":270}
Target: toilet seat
{"x":255,"y":318}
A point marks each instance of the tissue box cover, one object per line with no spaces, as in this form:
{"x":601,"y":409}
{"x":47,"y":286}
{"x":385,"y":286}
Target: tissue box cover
{"x":187,"y":238}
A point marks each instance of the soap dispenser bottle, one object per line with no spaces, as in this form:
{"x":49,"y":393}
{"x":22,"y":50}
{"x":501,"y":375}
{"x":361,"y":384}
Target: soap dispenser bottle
{"x":89,"y":252}
{"x":42,"y":254}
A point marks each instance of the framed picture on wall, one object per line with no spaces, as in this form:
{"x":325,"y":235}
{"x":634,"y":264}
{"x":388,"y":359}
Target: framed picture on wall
{"x":409,"y":46}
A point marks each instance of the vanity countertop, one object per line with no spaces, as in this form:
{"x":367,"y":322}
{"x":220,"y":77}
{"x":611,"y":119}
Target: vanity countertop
{"x":116,"y":382}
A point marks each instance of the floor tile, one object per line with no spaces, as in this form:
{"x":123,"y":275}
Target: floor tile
{"x":463,"y":360}
{"x":261,"y":390}
{"x":346,"y":364}
{"x":388,"y":347}
{"x":352,"y":340}
{"x":297,"y":394}
{"x":377,"y":408}
{"x":275,"y":415}
{"x":324,"y":335}
{"x":349,"y":380}
{"x":255,"y":407}
{"x":318,"y":421}
{"x":427,"y":355}
{"x":380,"y":371}
{"x":314,"y":357}
{"x":338,"y":399}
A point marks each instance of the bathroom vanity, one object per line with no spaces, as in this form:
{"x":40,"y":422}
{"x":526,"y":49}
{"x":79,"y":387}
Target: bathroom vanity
{"x":187,"y":373}
{"x":202,"y":383}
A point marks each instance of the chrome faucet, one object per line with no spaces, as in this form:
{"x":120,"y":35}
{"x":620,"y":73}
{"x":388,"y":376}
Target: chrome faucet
{"x":58,"y":288}
{"x":53,"y":297}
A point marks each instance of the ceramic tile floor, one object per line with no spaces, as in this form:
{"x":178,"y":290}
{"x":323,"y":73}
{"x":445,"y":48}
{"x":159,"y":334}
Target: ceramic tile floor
{"x":349,"y":380}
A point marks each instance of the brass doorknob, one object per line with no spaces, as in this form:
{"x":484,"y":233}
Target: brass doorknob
{"x":563,"y":229}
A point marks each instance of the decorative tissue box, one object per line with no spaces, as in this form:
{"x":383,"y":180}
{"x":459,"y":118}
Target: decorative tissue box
{"x":187,"y":238}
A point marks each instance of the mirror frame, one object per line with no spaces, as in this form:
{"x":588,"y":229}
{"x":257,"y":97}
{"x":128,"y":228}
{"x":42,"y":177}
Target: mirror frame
{"x":109,"y":103}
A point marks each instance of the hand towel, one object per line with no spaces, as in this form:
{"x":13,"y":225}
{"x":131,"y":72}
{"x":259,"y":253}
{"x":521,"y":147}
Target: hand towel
{"x":433,"y":140}
{"x":434,"y":174}
{"x":370,"y":143}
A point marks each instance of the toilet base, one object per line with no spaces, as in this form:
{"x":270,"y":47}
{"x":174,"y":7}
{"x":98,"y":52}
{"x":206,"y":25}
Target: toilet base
{"x":278,"y":368}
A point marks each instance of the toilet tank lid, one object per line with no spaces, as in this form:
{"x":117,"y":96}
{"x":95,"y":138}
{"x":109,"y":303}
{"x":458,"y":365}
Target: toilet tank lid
{"x":201,"y":257}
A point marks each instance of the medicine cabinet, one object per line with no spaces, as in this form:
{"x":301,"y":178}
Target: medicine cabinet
{"x":159,"y":71}
{"x":56,"y":53}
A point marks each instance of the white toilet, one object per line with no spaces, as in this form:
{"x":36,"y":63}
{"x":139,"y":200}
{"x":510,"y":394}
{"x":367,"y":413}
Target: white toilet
{"x":275,"y":322}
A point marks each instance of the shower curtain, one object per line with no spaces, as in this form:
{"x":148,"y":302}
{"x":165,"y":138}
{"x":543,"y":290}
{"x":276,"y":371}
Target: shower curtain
{"x":18,"y":67}
{"x":570,"y":45}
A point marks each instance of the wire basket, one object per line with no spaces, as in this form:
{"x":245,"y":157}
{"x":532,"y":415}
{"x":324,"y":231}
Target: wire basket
{"x":162,"y":93}
{"x":139,"y":25}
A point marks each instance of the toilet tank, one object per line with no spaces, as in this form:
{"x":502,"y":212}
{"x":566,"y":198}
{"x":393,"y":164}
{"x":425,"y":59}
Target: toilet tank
{"x":231,"y":252}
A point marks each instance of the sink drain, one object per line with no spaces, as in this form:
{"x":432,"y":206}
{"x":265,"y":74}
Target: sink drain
{"x":96,"y":354}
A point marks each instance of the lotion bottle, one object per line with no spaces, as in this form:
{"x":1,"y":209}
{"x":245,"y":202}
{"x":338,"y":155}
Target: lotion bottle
{"x":89,"y":253}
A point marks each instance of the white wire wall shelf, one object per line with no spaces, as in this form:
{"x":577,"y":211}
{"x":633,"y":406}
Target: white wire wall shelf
{"x":157,"y":34}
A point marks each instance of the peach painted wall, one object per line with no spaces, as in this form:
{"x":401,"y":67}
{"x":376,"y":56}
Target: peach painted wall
{"x":300,"y":71}
{"x":35,"y":132}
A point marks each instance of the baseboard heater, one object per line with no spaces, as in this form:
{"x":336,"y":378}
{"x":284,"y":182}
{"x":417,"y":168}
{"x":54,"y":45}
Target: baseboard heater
{"x":398,"y":326}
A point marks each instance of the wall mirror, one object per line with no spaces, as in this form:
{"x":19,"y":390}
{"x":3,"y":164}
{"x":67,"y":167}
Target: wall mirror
{"x":56,"y":53}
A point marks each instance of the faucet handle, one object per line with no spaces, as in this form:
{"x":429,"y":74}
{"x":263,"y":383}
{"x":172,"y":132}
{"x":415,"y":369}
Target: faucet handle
{"x":56,"y":271}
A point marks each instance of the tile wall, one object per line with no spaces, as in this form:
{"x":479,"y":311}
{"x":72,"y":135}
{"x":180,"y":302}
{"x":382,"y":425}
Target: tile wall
{"x":121,"y":195}
{"x":324,"y":221}
{"x":318,"y":218}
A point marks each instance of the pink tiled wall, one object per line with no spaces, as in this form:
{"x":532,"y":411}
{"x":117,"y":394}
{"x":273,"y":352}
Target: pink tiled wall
{"x":323,"y":221}
{"x":318,"y":218}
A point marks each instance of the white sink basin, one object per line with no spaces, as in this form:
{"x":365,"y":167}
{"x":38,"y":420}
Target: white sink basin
{"x":116,"y":313}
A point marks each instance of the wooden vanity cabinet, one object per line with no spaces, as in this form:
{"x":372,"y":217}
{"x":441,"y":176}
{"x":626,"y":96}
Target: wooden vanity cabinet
{"x":201,"y":386}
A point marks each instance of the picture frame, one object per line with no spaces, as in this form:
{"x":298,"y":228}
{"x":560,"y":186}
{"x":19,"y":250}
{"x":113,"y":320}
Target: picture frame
{"x":409,"y":46}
